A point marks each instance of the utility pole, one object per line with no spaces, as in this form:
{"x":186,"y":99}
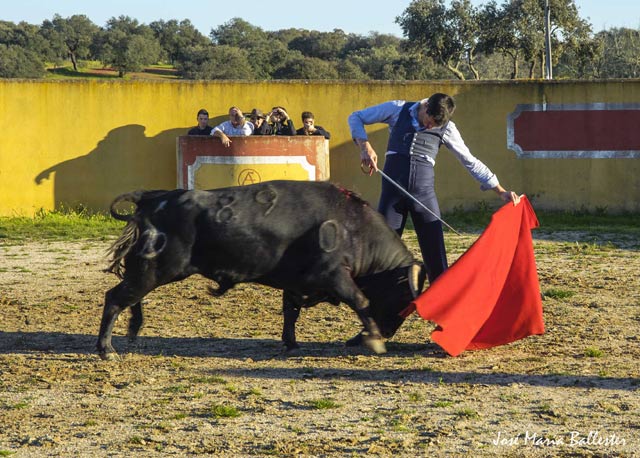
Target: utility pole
{"x":547,"y":40}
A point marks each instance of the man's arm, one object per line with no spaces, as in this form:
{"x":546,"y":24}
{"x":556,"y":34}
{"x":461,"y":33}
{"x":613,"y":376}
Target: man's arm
{"x":217,"y":132}
{"x":478,"y":170}
{"x":320,"y":131}
{"x":386,"y":113}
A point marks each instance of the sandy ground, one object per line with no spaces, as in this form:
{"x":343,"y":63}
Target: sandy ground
{"x":208,"y":376}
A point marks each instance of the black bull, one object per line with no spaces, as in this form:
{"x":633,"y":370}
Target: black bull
{"x":313,"y":240}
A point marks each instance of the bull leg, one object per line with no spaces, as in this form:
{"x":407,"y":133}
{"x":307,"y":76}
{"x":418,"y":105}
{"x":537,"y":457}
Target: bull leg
{"x":116,"y":300}
{"x":349,"y":293}
{"x":135,"y":323}
{"x":356,"y":340}
{"x":291,"y":310}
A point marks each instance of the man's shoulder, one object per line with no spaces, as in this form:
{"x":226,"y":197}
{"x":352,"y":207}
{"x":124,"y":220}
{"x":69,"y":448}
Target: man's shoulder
{"x":197,"y":131}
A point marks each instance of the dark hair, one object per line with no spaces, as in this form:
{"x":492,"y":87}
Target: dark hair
{"x":203,"y":111}
{"x":307,"y":115}
{"x":441,"y":107}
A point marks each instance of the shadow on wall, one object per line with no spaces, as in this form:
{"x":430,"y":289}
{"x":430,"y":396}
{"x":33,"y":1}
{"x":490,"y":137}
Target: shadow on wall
{"x":125,"y":160}
{"x":345,"y":166}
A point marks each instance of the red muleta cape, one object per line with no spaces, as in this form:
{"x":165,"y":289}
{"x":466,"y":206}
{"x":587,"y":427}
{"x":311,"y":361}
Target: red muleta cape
{"x":490,"y":296}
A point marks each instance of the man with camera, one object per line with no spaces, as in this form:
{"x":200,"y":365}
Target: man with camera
{"x":278,"y":122}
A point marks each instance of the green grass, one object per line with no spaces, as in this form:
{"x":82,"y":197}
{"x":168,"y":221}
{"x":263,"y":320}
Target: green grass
{"x":594,"y":222}
{"x":79,"y":223}
{"x":95,"y":70}
{"x":593,"y":352}
{"x":323,"y":404}
{"x":557,"y":293}
{"x":220,"y":411}
{"x":66,"y":225}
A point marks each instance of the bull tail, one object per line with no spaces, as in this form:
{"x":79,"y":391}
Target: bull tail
{"x":130,"y":234}
{"x":133,"y":197}
{"x":121,"y":247}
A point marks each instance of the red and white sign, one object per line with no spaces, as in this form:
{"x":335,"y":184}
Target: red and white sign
{"x":591,"y":131}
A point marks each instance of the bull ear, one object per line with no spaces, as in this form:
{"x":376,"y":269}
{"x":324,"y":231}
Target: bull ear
{"x":416,"y":279}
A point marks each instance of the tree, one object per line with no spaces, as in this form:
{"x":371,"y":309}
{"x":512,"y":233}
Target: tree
{"x":17,"y":62}
{"x":517,"y":29}
{"x":322,"y":45}
{"x":621,"y":53}
{"x":25,"y":36}
{"x":239,"y":33}
{"x":307,"y":68}
{"x":70,"y":37}
{"x":216,"y":63}
{"x":176,"y":37}
{"x":448,"y":35}
{"x":127,"y":45}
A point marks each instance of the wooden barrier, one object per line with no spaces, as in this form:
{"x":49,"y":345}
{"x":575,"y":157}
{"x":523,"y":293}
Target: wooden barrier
{"x":205,"y":163}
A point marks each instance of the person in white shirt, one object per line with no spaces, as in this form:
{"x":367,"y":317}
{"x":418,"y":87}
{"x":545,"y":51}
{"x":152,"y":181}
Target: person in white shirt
{"x":236,"y":126}
{"x":417,"y":130}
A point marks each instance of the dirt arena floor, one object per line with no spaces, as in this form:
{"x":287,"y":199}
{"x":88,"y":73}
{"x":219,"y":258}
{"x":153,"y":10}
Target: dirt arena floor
{"x":208,"y":376}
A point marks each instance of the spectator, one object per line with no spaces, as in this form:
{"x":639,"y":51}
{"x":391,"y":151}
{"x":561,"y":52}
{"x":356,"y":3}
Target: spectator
{"x":309,"y":127}
{"x":236,"y":126}
{"x":257,"y":119}
{"x":279,"y":123}
{"x":203,"y":127}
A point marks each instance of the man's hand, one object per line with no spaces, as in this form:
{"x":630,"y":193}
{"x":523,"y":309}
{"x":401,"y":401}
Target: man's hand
{"x":226,"y":141}
{"x":507,"y":196}
{"x":510,"y":196}
{"x":368,"y":157}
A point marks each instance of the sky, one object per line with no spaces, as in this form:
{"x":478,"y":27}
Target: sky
{"x":359,"y":17}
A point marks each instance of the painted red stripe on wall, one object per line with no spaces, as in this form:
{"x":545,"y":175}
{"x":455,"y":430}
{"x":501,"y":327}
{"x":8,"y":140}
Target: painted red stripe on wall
{"x":594,"y":130}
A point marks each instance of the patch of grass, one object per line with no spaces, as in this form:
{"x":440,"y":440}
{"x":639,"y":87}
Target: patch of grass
{"x":221,"y":411}
{"x":231,"y":388}
{"x":443,"y":404}
{"x":176,"y":389}
{"x":255,"y":392}
{"x":557,"y":293}
{"x":477,"y":217}
{"x":208,"y":380}
{"x":7,"y":453}
{"x":592,"y":352}
{"x":324,"y":404}
{"x":416,"y":396}
{"x":136,"y":440}
{"x":467,"y":413}
{"x":62,"y":224}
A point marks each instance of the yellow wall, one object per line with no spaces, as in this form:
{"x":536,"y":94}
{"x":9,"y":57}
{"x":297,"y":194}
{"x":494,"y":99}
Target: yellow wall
{"x":71,"y":142}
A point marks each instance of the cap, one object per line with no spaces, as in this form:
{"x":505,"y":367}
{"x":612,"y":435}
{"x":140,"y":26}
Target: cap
{"x":256,"y":113}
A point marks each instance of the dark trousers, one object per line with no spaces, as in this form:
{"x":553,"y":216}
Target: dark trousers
{"x":416,"y":175}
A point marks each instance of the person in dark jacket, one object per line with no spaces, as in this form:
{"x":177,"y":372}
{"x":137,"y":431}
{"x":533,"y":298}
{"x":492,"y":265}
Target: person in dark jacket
{"x":257,"y":118}
{"x":310,"y":128}
{"x":278,"y":123}
{"x":203,"y":127}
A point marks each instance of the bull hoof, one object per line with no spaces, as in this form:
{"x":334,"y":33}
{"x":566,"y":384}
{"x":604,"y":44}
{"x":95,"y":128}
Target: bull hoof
{"x":107,"y":353}
{"x":376,"y":345}
{"x":110,"y":356}
{"x":355,"y":341}
{"x":291,"y":347}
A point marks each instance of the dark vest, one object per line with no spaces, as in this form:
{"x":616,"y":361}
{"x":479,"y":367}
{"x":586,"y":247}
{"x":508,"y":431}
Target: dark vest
{"x":404,"y":139}
{"x":402,"y":132}
{"x":427,"y":142}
